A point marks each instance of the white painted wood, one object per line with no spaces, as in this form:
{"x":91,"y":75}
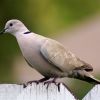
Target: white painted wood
{"x":34,"y":92}
{"x":10,"y":91}
{"x":94,"y":93}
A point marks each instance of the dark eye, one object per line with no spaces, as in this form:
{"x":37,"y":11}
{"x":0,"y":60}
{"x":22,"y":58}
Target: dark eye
{"x":11,"y":24}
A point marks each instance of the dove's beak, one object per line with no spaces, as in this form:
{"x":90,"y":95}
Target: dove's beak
{"x":2,"y":31}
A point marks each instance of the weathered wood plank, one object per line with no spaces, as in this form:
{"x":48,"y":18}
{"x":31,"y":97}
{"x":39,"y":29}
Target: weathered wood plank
{"x":34,"y":92}
{"x":10,"y":91}
{"x":93,"y":94}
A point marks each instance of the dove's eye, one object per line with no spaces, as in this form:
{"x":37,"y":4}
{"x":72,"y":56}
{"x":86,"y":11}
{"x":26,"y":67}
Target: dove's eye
{"x":11,"y":24}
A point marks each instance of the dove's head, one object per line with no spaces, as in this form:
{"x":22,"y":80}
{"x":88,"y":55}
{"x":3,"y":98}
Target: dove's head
{"x":14,"y":27}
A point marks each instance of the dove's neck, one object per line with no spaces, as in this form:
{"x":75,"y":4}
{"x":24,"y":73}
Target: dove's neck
{"x":21,"y":31}
{"x":27,"y":37}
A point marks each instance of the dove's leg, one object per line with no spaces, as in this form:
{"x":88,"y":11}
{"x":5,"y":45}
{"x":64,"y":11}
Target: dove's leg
{"x":36,"y":81}
{"x":52,"y":81}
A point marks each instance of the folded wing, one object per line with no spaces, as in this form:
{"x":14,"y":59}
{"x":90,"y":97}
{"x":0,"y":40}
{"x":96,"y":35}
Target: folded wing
{"x":55,"y":53}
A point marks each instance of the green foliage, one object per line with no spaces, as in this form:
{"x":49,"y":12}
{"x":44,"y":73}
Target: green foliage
{"x":48,"y":16}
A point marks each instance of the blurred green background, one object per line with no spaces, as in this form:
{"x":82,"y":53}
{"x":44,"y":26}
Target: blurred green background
{"x":45,"y":17}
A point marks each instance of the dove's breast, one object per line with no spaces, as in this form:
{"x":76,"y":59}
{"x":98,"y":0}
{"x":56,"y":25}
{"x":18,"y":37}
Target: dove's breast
{"x":30,"y":47}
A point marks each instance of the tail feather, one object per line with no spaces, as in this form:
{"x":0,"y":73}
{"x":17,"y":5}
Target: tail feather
{"x":92,"y":80}
{"x":85,"y":76}
{"x":87,"y":67}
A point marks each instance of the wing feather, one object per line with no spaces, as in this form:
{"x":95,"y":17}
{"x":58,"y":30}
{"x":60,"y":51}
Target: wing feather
{"x":56,"y":54}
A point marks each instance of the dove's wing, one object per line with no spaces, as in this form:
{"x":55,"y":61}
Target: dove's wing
{"x":56,"y":54}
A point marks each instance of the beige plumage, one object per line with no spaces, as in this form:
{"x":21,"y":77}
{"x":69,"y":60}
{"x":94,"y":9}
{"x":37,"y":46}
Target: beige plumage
{"x":48,"y":56}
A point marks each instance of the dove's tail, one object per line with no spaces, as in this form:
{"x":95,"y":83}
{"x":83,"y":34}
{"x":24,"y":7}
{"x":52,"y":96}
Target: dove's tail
{"x":85,"y":76}
{"x":91,"y":79}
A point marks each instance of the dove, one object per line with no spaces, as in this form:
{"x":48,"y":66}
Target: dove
{"x":49,"y":57}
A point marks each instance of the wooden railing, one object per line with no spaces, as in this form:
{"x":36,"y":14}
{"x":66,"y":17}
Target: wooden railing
{"x":42,"y":92}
